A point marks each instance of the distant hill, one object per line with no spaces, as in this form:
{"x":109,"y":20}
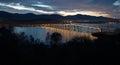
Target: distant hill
{"x":55,"y":17}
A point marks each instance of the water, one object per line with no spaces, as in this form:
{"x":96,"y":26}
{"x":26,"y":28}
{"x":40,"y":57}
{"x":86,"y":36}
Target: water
{"x":39,"y":32}
{"x":36,"y":32}
{"x":109,"y":26}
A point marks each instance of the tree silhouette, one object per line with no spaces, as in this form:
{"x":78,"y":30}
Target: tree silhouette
{"x":56,"y":38}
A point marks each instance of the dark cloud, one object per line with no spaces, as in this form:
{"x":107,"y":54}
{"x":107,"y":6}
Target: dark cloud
{"x":109,"y":8}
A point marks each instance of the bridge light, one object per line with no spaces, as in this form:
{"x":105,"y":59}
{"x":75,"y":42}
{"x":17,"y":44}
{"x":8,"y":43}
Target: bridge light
{"x":70,"y":22}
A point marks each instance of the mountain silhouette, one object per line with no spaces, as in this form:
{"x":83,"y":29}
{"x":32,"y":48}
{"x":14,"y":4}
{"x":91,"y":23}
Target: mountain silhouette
{"x":53,"y":17}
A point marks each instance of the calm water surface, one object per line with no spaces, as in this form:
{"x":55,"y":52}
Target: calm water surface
{"x":41,"y":32}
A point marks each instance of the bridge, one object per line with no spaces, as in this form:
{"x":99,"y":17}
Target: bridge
{"x":69,"y":26}
{"x":74,"y":27}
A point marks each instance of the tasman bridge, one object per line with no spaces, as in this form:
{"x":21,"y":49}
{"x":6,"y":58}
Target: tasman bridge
{"x":71,"y":27}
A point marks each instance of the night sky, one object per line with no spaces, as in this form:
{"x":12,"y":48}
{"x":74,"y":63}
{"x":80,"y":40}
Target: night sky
{"x":106,"y":8}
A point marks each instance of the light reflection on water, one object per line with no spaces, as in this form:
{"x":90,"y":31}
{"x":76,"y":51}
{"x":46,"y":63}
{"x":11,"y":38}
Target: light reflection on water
{"x":68,"y":35}
{"x":40,"y":33}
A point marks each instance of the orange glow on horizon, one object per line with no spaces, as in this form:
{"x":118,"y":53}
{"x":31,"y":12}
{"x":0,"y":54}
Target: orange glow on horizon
{"x":91,"y":13}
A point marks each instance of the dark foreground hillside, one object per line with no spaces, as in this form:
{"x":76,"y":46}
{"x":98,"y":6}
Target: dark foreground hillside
{"x":18,"y":49}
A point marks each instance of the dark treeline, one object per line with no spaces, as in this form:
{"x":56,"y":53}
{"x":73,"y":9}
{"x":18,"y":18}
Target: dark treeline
{"x":19,"y":49}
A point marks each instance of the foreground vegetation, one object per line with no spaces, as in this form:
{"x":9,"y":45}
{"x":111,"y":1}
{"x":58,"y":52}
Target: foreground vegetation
{"x":19,"y":49}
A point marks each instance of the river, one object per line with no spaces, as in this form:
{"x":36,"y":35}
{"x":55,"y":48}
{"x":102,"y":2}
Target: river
{"x":39,"y":32}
